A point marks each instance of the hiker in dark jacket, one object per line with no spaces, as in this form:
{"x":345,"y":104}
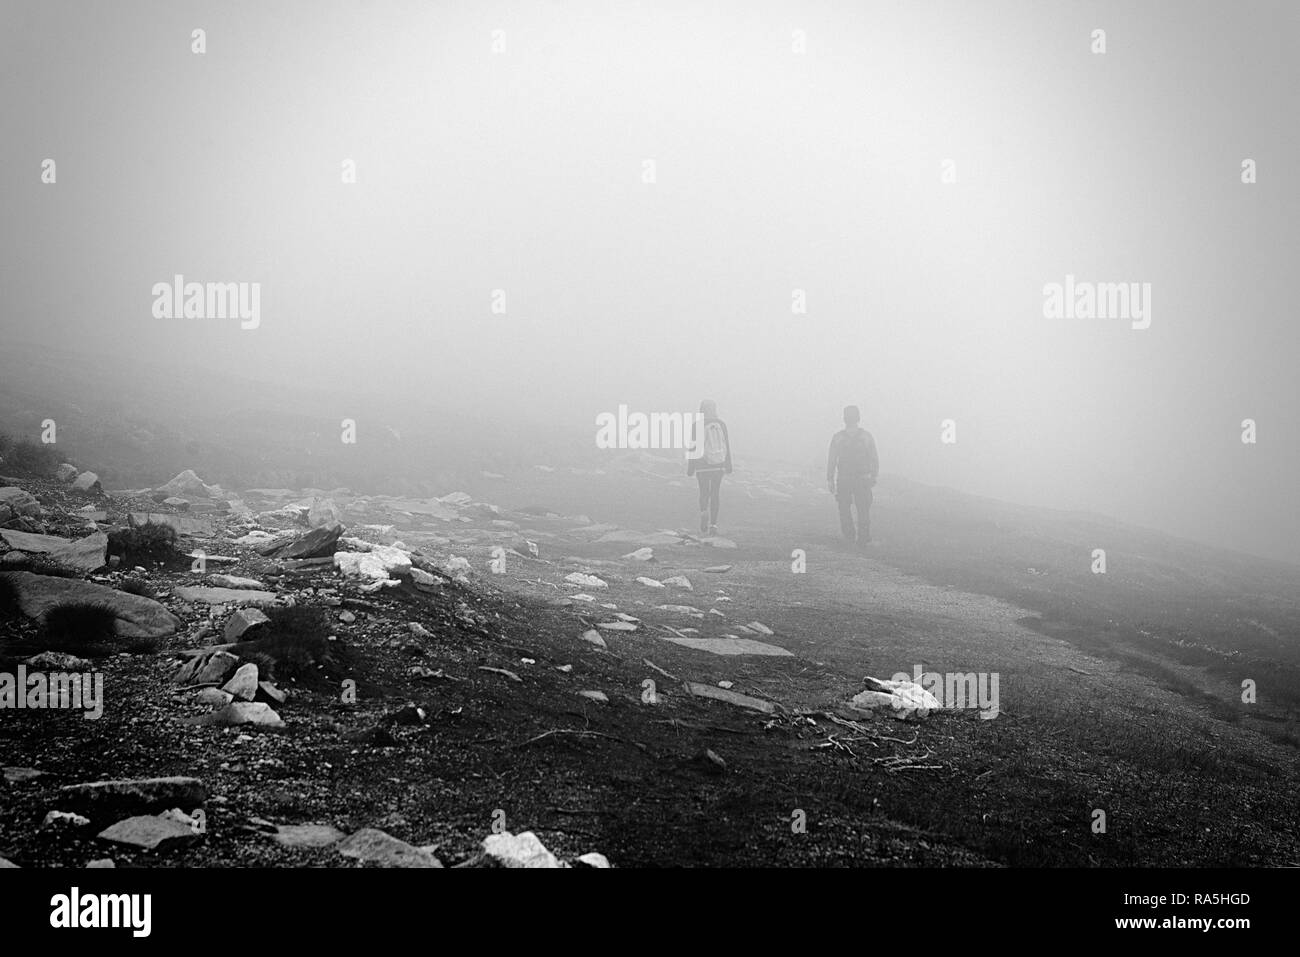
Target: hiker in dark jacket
{"x":709,"y":459}
{"x":851,"y":470}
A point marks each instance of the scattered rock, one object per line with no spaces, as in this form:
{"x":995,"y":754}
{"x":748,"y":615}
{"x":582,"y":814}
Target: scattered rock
{"x":240,"y":713}
{"x":242,"y":621}
{"x":595,"y":696}
{"x":267,"y":690}
{"x":101,"y":863}
{"x":66,"y":472}
{"x":593,"y":636}
{"x":234,"y":581}
{"x":214,"y":697}
{"x":187,"y":484}
{"x":150,"y":833}
{"x":710,"y":761}
{"x":224,"y":596}
{"x":307,"y":835}
{"x":586,"y":581}
{"x":593,"y":859}
{"x":317,"y":543}
{"x":641,"y":555}
{"x":731,"y":697}
{"x":650,"y":582}
{"x":243,"y":686}
{"x":517,"y":850}
{"x":409,"y":714}
{"x":20,"y":775}
{"x":679,"y":581}
{"x":373,"y":846}
{"x":347,"y":617}
{"x":86,"y":481}
{"x":86,"y":554}
{"x":905,"y":698}
{"x":20,"y":502}
{"x":64,"y":819}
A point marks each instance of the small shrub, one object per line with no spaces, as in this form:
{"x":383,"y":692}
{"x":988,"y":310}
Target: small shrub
{"x":9,"y":607}
{"x":143,"y":543}
{"x":293,"y":645}
{"x":83,"y":628}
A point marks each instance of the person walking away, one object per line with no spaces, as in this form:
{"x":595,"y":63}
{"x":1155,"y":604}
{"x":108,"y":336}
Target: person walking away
{"x":851,"y":470}
{"x":709,"y":460}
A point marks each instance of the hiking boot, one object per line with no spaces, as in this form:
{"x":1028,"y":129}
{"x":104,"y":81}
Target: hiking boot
{"x":713,"y":529}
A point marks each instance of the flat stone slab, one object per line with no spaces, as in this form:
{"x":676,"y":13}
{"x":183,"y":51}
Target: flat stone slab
{"x":373,"y":846}
{"x":308,"y":835}
{"x":239,"y":713}
{"x":729,"y":646}
{"x":150,"y":833}
{"x":234,"y":581}
{"x":137,"y":616}
{"x":731,"y":697}
{"x":224,"y":596}
{"x":86,"y":553}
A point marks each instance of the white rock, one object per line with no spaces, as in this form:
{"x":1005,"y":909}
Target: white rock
{"x":522,"y":850}
{"x":587,"y":581}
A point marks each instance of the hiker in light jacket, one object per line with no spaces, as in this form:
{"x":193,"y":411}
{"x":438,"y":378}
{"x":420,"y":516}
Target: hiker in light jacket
{"x":709,"y":458}
{"x":851,"y":470}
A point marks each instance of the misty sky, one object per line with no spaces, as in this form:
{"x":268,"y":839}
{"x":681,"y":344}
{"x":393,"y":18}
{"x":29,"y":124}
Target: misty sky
{"x":522,"y":170}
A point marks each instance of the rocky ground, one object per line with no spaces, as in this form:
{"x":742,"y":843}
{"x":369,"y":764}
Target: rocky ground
{"x":322,"y":678}
{"x":465,"y":691}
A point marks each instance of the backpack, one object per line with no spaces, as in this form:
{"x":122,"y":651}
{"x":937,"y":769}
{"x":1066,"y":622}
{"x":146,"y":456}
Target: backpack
{"x":855,"y":458}
{"x":715,"y":443}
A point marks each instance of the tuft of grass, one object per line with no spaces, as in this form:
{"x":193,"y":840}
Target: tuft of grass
{"x":9,"y":607}
{"x":294,"y":645}
{"x":143,"y":543}
{"x":79,"y":627}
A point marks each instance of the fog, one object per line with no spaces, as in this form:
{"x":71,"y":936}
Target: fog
{"x":520,"y":176}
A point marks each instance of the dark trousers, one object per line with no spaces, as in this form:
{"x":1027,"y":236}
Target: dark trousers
{"x":710,"y":492}
{"x":849,"y":492}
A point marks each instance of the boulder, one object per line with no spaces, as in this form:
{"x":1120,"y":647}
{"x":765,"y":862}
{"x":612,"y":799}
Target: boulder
{"x":187,"y":484}
{"x":242,"y":621}
{"x":137,"y":616}
{"x":86,"y":554}
{"x":317,"y":543}
{"x":20,"y":502}
{"x":210,"y":669}
{"x":381,"y":562}
{"x":214,"y":697}
{"x":66,"y":472}
{"x":517,"y":850}
{"x":243,"y":685}
{"x":86,"y":482}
